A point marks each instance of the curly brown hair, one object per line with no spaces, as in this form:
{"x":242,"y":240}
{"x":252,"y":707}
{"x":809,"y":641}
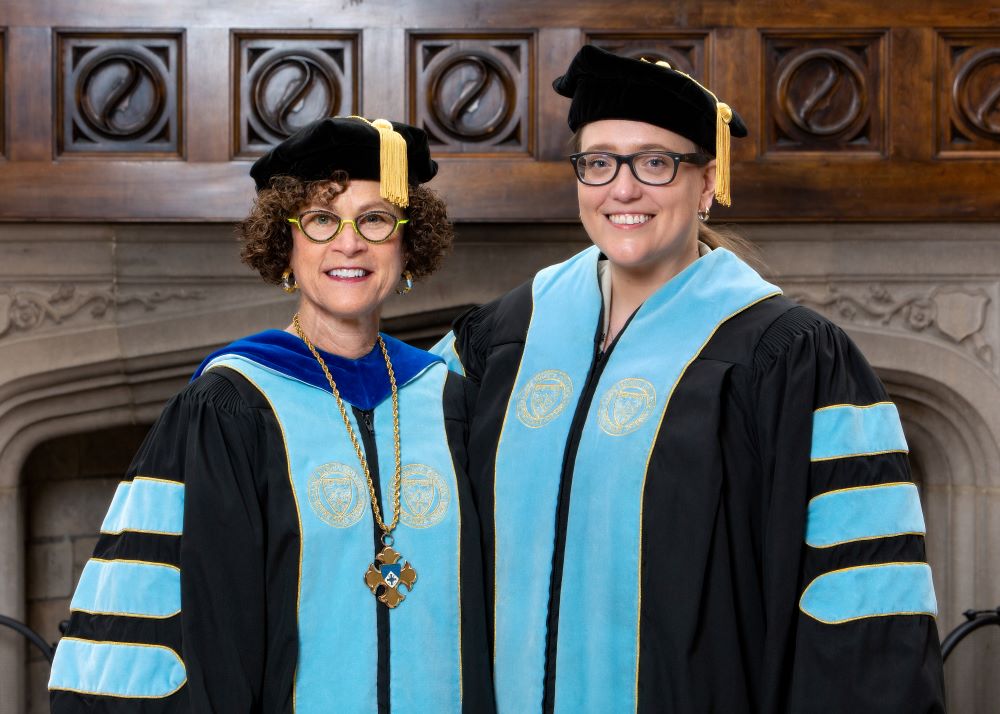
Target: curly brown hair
{"x":267,"y":237}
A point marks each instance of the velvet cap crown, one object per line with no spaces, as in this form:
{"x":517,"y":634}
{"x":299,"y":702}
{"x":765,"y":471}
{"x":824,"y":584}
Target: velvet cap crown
{"x":603,"y":85}
{"x":350,"y":144}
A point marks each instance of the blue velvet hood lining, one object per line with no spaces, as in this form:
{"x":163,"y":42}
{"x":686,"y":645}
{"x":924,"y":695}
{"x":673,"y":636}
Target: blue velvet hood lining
{"x":362,"y":382}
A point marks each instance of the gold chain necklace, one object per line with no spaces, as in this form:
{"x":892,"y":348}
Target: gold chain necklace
{"x":387,"y":573}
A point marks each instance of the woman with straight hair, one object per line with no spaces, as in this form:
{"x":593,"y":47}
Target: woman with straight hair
{"x":694,"y":493}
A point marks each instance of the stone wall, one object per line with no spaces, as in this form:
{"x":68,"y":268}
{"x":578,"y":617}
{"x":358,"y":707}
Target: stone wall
{"x":100,"y":324}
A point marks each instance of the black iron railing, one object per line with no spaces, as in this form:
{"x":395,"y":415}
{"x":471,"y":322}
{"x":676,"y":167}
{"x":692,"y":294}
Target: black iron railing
{"x":33,"y":637}
{"x":974,"y":620}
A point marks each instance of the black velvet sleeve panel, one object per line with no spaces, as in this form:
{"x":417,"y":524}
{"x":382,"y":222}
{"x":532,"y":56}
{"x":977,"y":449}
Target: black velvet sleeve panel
{"x":888,"y":664}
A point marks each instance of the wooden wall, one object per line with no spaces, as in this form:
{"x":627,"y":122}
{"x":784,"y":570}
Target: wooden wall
{"x":138,"y":111}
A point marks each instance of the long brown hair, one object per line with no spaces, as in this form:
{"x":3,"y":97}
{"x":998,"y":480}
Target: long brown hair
{"x":731,"y":241}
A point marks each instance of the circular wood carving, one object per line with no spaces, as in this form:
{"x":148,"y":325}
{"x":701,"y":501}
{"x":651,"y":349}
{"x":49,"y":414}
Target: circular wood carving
{"x":121,"y":95}
{"x":822,"y":93}
{"x":472,"y":96}
{"x":976,"y":93}
{"x":289,"y":90}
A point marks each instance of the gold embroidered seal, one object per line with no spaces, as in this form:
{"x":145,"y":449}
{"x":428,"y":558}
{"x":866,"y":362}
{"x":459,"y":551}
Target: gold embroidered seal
{"x":425,"y":496}
{"x":544,"y":397}
{"x":338,"y":494}
{"x":626,"y":405}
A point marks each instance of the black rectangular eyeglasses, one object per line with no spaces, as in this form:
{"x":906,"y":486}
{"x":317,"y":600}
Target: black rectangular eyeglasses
{"x":654,"y":168}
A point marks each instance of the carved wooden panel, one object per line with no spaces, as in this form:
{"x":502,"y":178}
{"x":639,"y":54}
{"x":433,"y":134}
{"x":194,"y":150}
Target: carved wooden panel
{"x":685,"y":51}
{"x":119,"y":92}
{"x":283,"y":81}
{"x":910,"y":86}
{"x":968,"y":86}
{"x":824,"y":93}
{"x":473,"y":93}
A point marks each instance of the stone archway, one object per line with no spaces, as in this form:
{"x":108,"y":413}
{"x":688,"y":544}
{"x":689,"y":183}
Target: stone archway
{"x":951,"y":427}
{"x":60,"y":394}
{"x":85,"y":374}
{"x":80,"y":381}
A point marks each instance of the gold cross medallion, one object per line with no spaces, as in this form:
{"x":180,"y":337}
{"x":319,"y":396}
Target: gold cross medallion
{"x":387,"y":574}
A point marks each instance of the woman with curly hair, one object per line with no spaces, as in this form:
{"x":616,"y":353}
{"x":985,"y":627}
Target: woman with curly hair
{"x":296,"y":532}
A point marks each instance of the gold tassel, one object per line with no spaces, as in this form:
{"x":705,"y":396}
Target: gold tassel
{"x":723,"y":115}
{"x":393,"y":169}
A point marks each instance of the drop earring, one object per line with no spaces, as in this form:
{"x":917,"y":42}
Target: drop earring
{"x":288,"y":283}
{"x":408,"y":279}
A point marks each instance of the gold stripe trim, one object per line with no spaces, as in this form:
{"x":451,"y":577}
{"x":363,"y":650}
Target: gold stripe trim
{"x":858,"y":540}
{"x":175,"y":613}
{"x":496,"y":451}
{"x":853,"y":406}
{"x":139,"y":530}
{"x":861,"y":488}
{"x":458,"y":356}
{"x":869,"y":617}
{"x":860,"y":453}
{"x":458,"y":538}
{"x":137,"y":562}
{"x":122,"y":696}
{"x":156,"y":479}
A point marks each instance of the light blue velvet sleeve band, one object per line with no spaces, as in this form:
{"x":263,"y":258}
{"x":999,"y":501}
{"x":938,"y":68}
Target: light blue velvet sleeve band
{"x":127,"y":587}
{"x":146,"y":505}
{"x":870,"y":591}
{"x":116,"y":669}
{"x":846,"y":430}
{"x":861,"y":513}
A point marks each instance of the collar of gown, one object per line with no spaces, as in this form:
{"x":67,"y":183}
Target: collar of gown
{"x":604,"y":279}
{"x":362,"y":382}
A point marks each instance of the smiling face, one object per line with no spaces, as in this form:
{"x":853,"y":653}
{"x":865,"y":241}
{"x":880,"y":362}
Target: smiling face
{"x":347,"y":278}
{"x":647,"y":230}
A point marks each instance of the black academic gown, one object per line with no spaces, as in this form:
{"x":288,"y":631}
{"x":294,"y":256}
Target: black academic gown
{"x":725,"y":505}
{"x":233,"y":645}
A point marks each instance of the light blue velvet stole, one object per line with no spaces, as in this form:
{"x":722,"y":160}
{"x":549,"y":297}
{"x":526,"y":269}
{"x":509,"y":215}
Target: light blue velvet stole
{"x":597,"y":654}
{"x":338,"y":643}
